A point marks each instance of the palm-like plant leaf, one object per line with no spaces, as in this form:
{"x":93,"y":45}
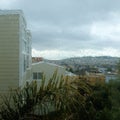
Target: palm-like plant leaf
{"x":56,"y":95}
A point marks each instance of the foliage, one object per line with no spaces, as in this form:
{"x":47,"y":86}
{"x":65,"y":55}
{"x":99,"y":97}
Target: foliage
{"x":115,"y":95}
{"x":97,"y":104}
{"x":60,"y":99}
{"x":57,"y":98}
{"x":101,"y":102}
{"x":118,"y":66}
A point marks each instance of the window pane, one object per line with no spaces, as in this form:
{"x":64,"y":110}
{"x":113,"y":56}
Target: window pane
{"x":25,"y":63}
{"x":40,"y":75}
{"x":34,"y":75}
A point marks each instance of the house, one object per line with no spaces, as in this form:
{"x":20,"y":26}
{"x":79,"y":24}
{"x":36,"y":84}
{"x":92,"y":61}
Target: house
{"x":15,"y":50}
{"x":36,"y":59}
{"x":47,"y":69}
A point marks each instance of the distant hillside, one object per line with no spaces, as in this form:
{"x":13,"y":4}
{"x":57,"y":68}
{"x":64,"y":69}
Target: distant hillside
{"x":101,"y":60}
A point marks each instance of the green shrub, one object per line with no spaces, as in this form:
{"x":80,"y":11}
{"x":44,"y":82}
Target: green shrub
{"x":58,"y":99}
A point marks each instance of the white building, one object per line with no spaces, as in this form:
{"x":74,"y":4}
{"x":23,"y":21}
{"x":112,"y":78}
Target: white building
{"x":15,"y":50}
{"x":43,"y":68}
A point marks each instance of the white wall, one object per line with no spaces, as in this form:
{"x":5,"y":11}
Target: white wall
{"x":48,"y":69}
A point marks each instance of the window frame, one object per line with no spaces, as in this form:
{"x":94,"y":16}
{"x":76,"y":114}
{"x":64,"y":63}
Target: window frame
{"x":37,"y":75}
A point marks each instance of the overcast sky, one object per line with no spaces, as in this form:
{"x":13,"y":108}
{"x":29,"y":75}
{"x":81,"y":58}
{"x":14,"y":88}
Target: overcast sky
{"x":71,"y":28}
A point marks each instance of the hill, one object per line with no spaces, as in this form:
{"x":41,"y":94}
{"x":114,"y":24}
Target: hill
{"x":95,"y":61}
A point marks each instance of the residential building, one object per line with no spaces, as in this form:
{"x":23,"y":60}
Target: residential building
{"x":15,"y":50}
{"x":44,"y":68}
{"x":37,"y":59}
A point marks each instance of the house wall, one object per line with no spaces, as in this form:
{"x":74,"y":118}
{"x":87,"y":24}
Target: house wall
{"x":9,"y":52}
{"x":15,"y":56}
{"x":48,"y":69}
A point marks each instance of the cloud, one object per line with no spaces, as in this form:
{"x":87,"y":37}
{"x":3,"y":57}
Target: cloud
{"x":5,"y":4}
{"x":106,"y":30}
{"x":67,"y":27}
{"x":61,"y":54}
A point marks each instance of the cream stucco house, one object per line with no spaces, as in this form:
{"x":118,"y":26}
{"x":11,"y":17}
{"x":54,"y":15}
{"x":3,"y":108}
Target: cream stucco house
{"x":47,"y":69}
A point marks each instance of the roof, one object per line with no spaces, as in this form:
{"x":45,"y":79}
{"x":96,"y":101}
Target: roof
{"x":13,"y":12}
{"x":42,"y":62}
{"x":7,"y":12}
{"x":70,"y":74}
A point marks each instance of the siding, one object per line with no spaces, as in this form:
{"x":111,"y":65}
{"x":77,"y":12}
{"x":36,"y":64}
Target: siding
{"x":48,"y":69}
{"x":9,"y":51}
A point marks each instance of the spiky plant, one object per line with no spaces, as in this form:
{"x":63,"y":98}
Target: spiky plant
{"x":54,"y":99}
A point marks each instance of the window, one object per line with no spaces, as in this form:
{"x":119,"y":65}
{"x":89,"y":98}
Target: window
{"x":34,"y":75}
{"x":37,"y":76}
{"x":25,"y":46}
{"x":28,"y":62}
{"x":25,"y":62}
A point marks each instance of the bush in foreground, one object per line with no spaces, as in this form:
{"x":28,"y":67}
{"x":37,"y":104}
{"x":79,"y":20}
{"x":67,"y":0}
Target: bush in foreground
{"x":56,"y":100}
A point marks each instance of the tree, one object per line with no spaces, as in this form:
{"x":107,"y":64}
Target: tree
{"x":97,"y":104}
{"x":115,"y":98}
{"x":118,"y":66}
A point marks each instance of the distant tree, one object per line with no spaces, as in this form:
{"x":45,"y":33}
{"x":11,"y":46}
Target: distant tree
{"x":118,"y":66}
{"x":109,"y":69}
{"x":71,"y":70}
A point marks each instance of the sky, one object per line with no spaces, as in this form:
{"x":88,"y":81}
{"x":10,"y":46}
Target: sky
{"x":71,"y":28}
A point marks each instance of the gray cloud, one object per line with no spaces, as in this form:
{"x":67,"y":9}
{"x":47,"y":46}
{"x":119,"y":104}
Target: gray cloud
{"x":71,"y":24}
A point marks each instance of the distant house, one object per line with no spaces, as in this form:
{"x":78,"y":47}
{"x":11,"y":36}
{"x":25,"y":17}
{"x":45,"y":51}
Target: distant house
{"x":102,"y":70}
{"x":36,"y":59}
{"x":43,"y":68}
